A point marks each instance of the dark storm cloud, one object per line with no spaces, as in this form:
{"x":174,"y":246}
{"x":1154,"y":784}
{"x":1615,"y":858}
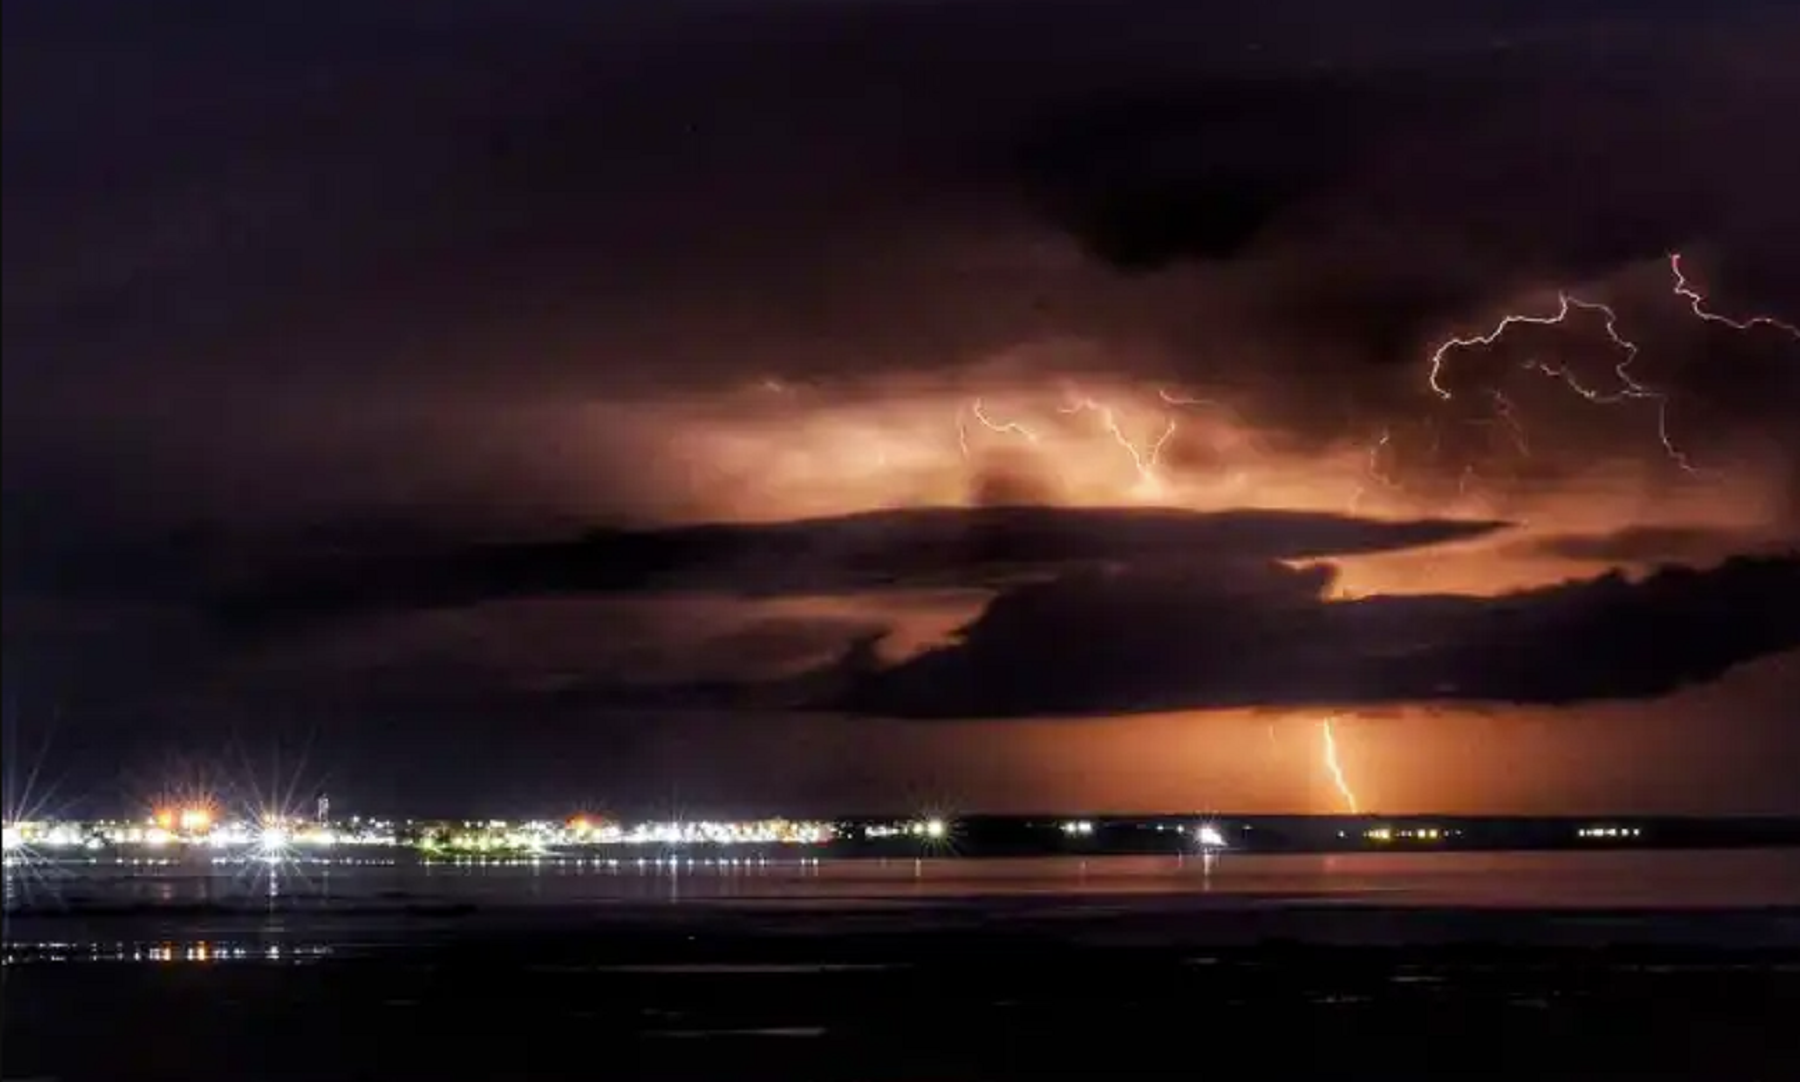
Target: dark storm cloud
{"x":1649,"y":545}
{"x":1359,"y":215}
{"x":299,"y":261}
{"x":1200,"y":168}
{"x":1099,"y":644}
{"x":902,"y":549}
{"x":202,"y":633}
{"x":322,"y":228}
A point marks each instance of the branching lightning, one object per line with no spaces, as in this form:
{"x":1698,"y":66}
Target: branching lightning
{"x":1170,"y":398}
{"x":1145,"y":458}
{"x":1629,"y":389}
{"x":1007,"y":427}
{"x":1372,"y":469}
{"x":1382,"y":457}
{"x":1145,"y":461}
{"x":1509,"y":416}
{"x":1439,"y":354}
{"x":1697,"y":303}
{"x":1335,"y":767}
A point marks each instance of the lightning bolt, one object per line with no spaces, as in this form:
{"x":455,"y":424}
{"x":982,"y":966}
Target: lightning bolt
{"x":1509,"y":416}
{"x":1012,"y":427}
{"x":1439,"y":355}
{"x":1373,"y":471}
{"x":1629,"y":387}
{"x":1334,"y":767}
{"x":1697,"y":304}
{"x":1171,"y":398}
{"x":1144,"y":460}
{"x":1381,"y":454}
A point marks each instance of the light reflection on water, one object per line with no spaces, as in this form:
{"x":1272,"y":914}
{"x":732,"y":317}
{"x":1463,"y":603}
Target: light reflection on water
{"x":1744,"y":878}
{"x":186,"y":951}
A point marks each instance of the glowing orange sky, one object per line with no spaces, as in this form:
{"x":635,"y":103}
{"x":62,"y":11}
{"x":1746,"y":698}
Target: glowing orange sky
{"x":780,"y":450}
{"x":792,"y":451}
{"x":515,"y":291}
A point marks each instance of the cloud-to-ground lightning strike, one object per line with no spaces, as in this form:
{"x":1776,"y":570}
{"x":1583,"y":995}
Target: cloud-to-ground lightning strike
{"x":1335,"y":767}
{"x":1697,"y":304}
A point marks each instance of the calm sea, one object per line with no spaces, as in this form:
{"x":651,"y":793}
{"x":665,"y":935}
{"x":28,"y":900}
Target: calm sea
{"x":1542,"y":965}
{"x":1659,"y":879}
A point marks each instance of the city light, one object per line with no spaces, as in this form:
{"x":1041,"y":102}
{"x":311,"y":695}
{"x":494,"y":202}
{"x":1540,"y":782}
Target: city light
{"x":499,"y":836}
{"x":1609,"y":832}
{"x":582,"y":837}
{"x":1414,"y":834}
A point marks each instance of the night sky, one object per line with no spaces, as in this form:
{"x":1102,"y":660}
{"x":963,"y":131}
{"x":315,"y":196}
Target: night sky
{"x":829,"y":405}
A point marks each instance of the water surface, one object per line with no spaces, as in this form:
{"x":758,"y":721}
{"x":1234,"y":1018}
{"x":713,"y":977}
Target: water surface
{"x":1562,"y":879}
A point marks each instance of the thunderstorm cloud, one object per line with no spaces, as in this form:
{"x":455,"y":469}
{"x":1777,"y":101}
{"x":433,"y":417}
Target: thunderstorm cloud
{"x":429,"y":375}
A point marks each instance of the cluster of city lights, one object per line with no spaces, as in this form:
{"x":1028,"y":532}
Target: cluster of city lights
{"x":173,"y":833}
{"x":931,"y":829}
{"x":501,"y":836}
{"x":498,"y":836}
{"x":195,"y":827}
{"x":1418,"y":834}
{"x":194,"y":951}
{"x":762,"y":832}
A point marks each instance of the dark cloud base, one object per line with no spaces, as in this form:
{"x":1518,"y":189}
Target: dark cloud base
{"x":902,"y":549}
{"x":1160,"y":640}
{"x":1652,"y":545}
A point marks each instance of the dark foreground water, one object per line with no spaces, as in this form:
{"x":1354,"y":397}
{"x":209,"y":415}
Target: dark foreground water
{"x":1542,"y":965}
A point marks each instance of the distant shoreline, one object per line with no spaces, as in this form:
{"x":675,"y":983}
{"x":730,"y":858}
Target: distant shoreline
{"x":997,"y":836}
